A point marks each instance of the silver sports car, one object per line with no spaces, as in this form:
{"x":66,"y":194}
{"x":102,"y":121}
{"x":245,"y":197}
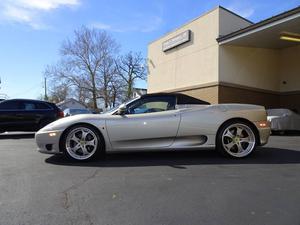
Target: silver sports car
{"x":159,"y":121}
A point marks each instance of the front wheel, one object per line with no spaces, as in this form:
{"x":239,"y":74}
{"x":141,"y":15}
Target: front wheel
{"x":82,"y":143}
{"x":236,"y":139}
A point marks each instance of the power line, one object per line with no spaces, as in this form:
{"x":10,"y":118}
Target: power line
{"x":34,"y":87}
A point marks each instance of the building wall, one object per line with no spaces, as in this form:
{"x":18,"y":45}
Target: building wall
{"x":225,"y":74}
{"x":229,"y":93}
{"x":269,"y":77}
{"x":195,"y":62}
{"x":208,"y":92}
{"x":290,"y":100}
{"x":229,"y":22}
{"x":246,"y":75}
{"x":290,"y":69}
{"x":252,"y":67}
{"x":290,"y":78}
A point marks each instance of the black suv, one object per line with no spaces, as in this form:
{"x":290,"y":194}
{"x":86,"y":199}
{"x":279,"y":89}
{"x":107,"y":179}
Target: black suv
{"x":27,"y":115}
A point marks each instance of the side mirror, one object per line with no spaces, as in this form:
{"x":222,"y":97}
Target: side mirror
{"x":122,"y":109}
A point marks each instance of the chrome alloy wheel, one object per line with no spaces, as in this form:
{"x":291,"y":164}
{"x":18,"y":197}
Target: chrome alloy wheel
{"x":81,"y":143}
{"x":238,"y":140}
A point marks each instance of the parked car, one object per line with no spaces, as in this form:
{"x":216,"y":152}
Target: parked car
{"x":159,"y":121}
{"x":283,"y":120}
{"x":27,"y":115}
{"x":72,"y":112}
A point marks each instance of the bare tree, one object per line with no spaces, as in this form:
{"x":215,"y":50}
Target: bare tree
{"x":58,"y":90}
{"x":83,"y":96}
{"x":130,"y":68}
{"x":116,"y":88}
{"x":89,"y":70}
{"x":58,"y":93}
{"x":108,"y":72}
{"x":83,"y":59}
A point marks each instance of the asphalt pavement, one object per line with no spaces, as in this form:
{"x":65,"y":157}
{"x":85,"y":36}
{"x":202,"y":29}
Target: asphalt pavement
{"x":155,"y":188}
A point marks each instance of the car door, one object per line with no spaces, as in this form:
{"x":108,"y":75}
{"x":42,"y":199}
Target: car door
{"x":148,"y":123}
{"x":9,"y":115}
{"x":33,"y":113}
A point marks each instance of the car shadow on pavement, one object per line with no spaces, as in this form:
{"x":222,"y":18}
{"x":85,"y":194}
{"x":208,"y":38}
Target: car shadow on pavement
{"x":17,"y":136}
{"x":181,"y":159}
{"x":289,"y":133}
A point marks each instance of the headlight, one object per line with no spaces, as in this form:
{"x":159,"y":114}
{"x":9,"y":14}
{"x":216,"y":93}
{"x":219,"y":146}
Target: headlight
{"x":262,"y":124}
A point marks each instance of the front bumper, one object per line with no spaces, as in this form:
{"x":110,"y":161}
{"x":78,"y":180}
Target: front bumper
{"x":48,"y":141}
{"x":264,"y":134}
{"x":264,"y":131}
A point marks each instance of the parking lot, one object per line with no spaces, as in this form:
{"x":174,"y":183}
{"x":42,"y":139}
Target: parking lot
{"x":194,"y":187}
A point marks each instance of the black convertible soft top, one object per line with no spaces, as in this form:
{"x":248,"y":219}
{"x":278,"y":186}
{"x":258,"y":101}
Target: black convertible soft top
{"x":181,"y":99}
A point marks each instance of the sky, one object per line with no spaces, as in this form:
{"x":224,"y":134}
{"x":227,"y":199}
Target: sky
{"x":31,"y":31}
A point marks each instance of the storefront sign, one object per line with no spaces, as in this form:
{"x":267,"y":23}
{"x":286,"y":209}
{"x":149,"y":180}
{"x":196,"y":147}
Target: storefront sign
{"x":177,"y":40}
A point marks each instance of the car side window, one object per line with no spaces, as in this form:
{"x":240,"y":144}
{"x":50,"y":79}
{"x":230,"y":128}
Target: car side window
{"x":9,"y":105}
{"x":40,"y":105}
{"x":27,"y":106}
{"x":152,"y":104}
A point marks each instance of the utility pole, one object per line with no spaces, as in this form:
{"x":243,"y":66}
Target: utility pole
{"x":45,"y":86}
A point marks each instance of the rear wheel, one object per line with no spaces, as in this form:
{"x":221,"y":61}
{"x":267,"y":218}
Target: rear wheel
{"x":82,"y":143}
{"x":236,"y":139}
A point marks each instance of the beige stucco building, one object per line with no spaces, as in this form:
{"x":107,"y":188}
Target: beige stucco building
{"x":221,"y":57}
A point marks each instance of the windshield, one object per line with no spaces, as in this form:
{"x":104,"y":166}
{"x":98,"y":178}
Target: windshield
{"x":126,"y":103}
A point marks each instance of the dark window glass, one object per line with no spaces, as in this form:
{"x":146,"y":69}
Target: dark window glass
{"x":29,"y":106}
{"x":9,"y":105}
{"x":152,"y":104}
{"x":40,"y":105}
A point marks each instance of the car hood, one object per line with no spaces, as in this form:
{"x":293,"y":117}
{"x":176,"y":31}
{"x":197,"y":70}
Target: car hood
{"x":65,"y":122}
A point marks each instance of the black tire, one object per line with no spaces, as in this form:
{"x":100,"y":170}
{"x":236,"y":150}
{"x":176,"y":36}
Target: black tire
{"x":240,"y":148}
{"x":99,"y":149}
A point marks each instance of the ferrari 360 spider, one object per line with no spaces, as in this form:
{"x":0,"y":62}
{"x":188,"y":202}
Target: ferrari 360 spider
{"x":159,"y":121}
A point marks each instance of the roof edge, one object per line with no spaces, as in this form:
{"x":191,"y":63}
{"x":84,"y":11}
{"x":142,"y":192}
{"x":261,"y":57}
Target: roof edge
{"x":235,"y":14}
{"x":262,"y":23}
